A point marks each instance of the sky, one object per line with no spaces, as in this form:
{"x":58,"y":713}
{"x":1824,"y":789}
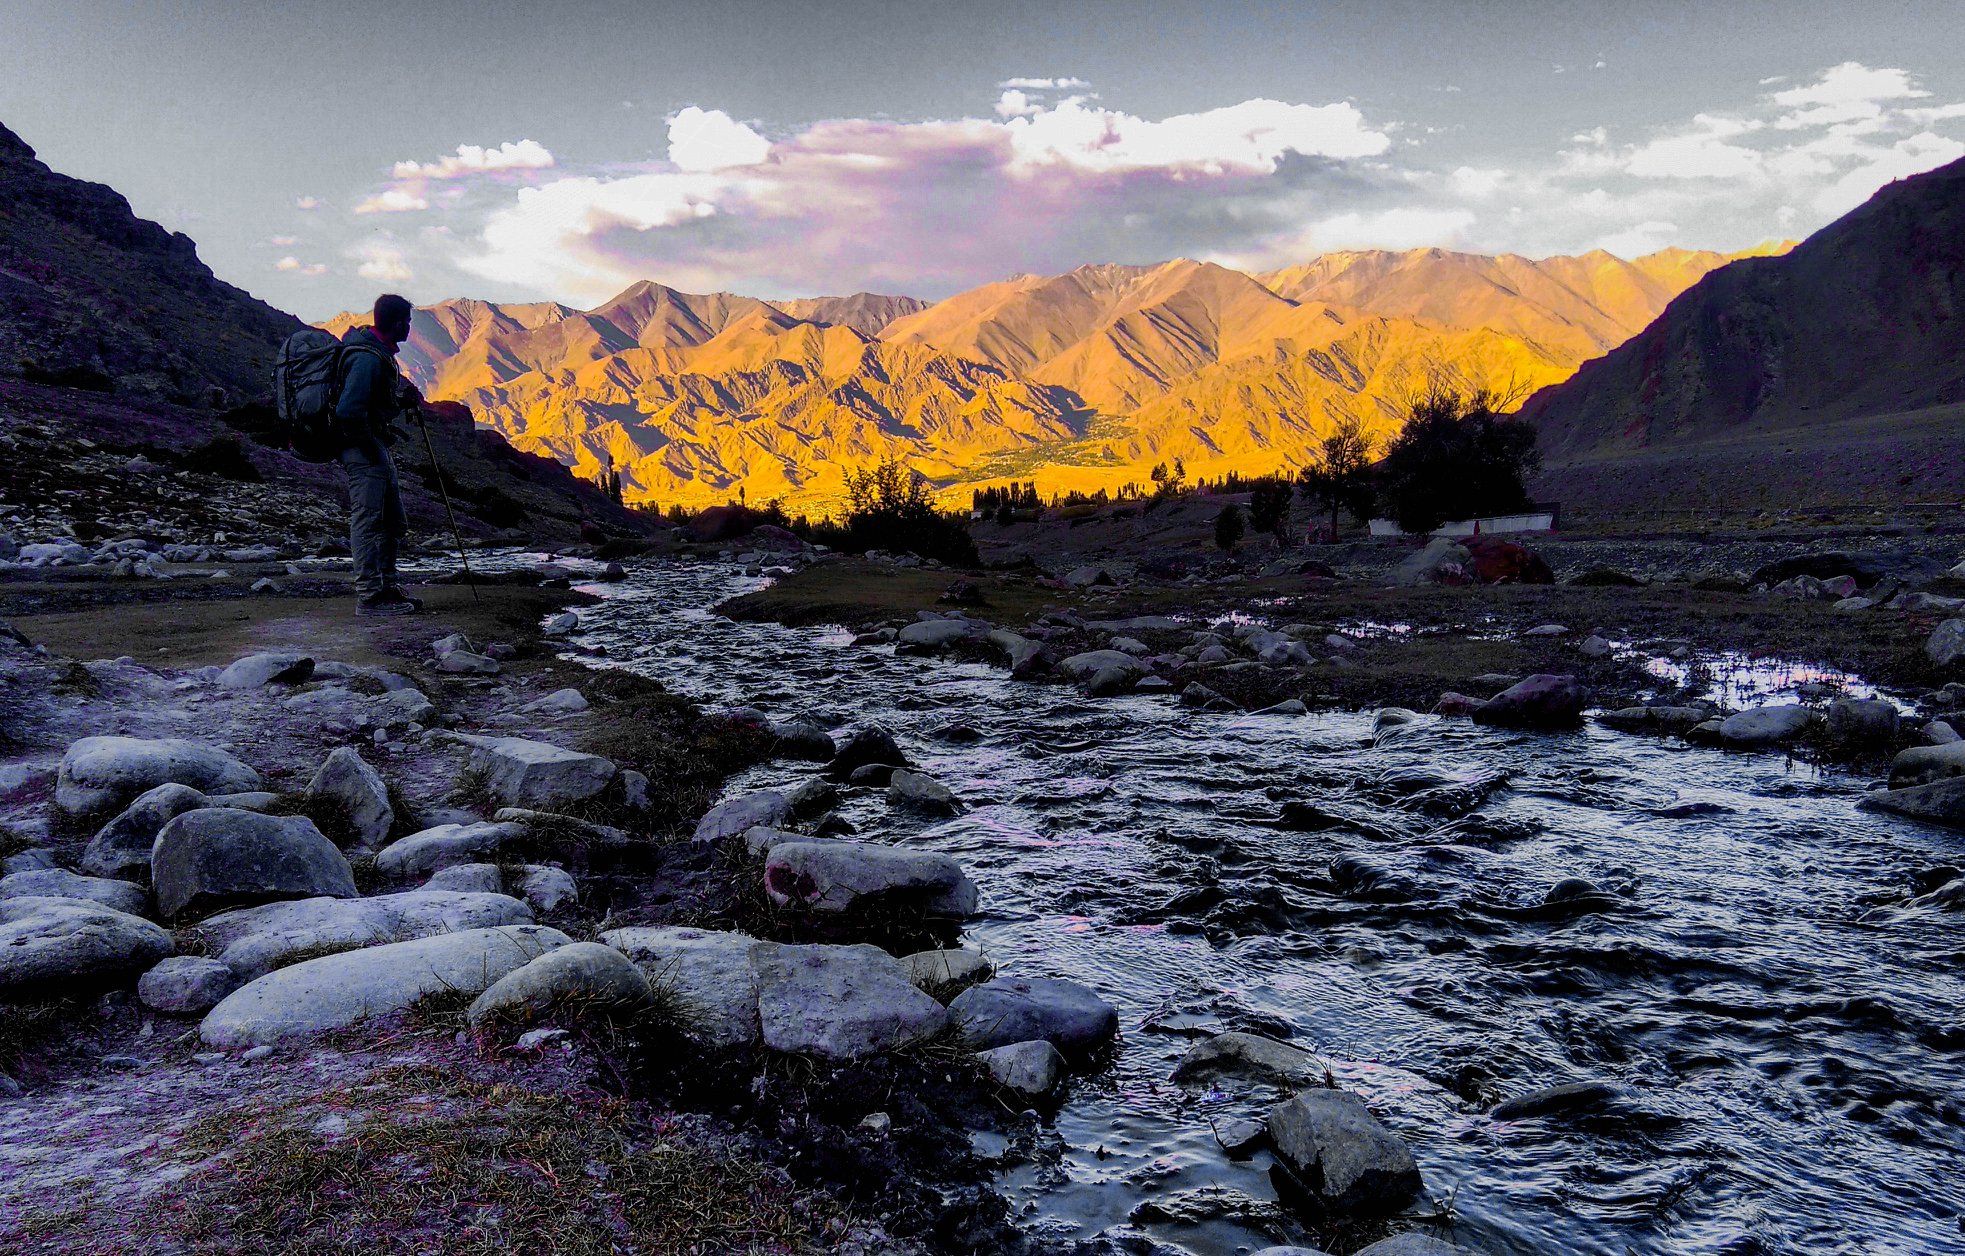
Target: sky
{"x":319,"y":153}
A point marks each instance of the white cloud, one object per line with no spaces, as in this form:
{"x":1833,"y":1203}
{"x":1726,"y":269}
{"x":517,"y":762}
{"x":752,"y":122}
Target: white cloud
{"x":1253,"y":136}
{"x":1404,"y":228}
{"x":287,"y":263}
{"x":1014,"y":103}
{"x":710,"y":139}
{"x":297,"y":266}
{"x":1912,"y":155}
{"x":281,"y":241}
{"x":1844,"y":93}
{"x":1645,"y":237}
{"x":473,"y":159}
{"x":1045,"y":84}
{"x":392,"y":201}
{"x":306,"y":202}
{"x":382,"y":261}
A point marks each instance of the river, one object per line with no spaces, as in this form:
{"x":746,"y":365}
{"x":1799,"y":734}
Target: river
{"x":1790,"y":1039}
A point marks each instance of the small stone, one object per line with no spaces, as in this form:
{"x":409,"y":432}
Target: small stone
{"x":1033,"y":1069}
{"x":186,"y":985}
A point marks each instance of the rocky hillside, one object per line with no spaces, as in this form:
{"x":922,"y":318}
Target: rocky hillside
{"x":119,"y":348}
{"x":1083,"y":380}
{"x":1866,"y":317}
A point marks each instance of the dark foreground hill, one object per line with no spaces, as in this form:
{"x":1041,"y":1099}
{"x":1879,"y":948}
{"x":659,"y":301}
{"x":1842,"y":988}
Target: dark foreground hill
{"x":1830,"y":377}
{"x":116,"y":339}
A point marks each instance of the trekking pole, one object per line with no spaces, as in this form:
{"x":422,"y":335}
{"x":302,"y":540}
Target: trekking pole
{"x":443,"y":490}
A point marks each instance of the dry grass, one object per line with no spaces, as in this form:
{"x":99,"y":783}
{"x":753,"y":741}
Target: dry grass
{"x":431,"y":1162}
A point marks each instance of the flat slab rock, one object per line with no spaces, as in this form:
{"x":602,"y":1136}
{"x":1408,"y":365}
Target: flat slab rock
{"x":103,"y":774}
{"x":253,"y":941}
{"x":522,"y":773}
{"x":840,"y":1002}
{"x":832,"y":877}
{"x":442,"y":846}
{"x":61,"y":883}
{"x":336,"y":992}
{"x":707,"y":970}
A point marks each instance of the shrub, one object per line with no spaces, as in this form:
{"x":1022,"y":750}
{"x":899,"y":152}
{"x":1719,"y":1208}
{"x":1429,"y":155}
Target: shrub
{"x":1269,"y":506}
{"x":1228,"y":526}
{"x":889,"y":509}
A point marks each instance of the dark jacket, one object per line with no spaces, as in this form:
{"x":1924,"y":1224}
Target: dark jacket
{"x":368,"y":403}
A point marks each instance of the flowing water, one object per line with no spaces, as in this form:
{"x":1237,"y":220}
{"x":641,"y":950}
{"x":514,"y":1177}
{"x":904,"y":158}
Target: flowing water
{"x":1792,"y":1038}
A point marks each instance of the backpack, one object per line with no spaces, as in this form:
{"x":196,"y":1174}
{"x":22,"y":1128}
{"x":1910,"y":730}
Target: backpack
{"x":307,"y":379}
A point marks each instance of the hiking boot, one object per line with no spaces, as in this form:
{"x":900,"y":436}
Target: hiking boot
{"x":415,"y":602}
{"x":386,"y":604}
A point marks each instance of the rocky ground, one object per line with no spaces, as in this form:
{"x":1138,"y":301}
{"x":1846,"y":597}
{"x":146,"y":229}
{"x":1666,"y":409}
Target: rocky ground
{"x":372,"y":935}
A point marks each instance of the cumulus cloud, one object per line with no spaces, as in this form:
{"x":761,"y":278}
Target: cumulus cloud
{"x":392,"y":201}
{"x":472,"y":159}
{"x":930,"y":206}
{"x":381,"y":260}
{"x":710,"y":139}
{"x":306,"y":202}
{"x":1045,"y":84}
{"x":281,"y":241}
{"x":297,"y":266}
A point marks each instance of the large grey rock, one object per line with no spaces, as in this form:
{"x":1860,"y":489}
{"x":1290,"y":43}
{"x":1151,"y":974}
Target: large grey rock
{"x":467,"y":878}
{"x":399,"y":707}
{"x":917,"y":791}
{"x":64,"y":945}
{"x":186,"y":985}
{"x":221,"y":856}
{"x":103,"y":774}
{"x":706,"y":972}
{"x":256,"y":671}
{"x":522,"y":773}
{"x":1541,"y":701}
{"x":547,"y":889}
{"x":578,"y":980}
{"x":839,"y":1002}
{"x":863,"y":746}
{"x":337,"y":992}
{"x":1766,"y":726}
{"x":1920,"y":765}
{"x":1442,"y":559}
{"x":61,"y":883}
{"x":1411,"y":1243}
{"x":1863,"y":721}
{"x":838,"y":878}
{"x":1017,"y":1009}
{"x":1562,"y":1099}
{"x":765,"y":808}
{"x":931,"y":635}
{"x":1946,"y":646}
{"x":440,"y":846}
{"x":253,"y":941}
{"x":1103,"y":673}
{"x":1251,"y":1056}
{"x":355,"y":789}
{"x":1025,"y":656}
{"x":1340,"y":1154}
{"x":1941,"y":802}
{"x":1033,"y":1069}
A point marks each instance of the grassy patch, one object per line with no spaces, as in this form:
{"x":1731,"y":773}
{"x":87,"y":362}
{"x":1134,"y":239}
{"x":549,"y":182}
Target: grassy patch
{"x":685,"y":755}
{"x":27,"y":1027}
{"x":433,"y":1162}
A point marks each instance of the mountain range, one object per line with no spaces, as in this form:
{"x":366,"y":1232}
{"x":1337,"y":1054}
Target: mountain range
{"x":1081,"y":381}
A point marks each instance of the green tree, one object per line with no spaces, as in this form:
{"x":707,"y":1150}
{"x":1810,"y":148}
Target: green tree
{"x":1269,"y":506}
{"x":1339,"y":477}
{"x":1228,"y":526}
{"x":1459,"y":457}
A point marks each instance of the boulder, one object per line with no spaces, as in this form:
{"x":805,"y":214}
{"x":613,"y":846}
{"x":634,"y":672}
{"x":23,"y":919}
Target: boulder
{"x":1542,"y":701}
{"x":401,"y":707}
{"x":1442,"y":561}
{"x":467,"y":663}
{"x":1863,"y":721}
{"x":706,"y":972}
{"x":103,"y":774}
{"x":1250,"y":1056}
{"x":839,"y":1002}
{"x":61,"y":883}
{"x":1563,"y":1099}
{"x":1766,"y":726}
{"x":1946,"y":645}
{"x":1920,"y":765}
{"x":1088,"y":577}
{"x":253,"y":941}
{"x":428,"y":850}
{"x":467,"y":878}
{"x":1032,"y":1069}
{"x":1941,"y":802}
{"x":1017,"y":1009}
{"x":547,"y":889}
{"x":186,"y":985}
{"x":336,"y":992}
{"x":1339,"y":1155}
{"x":522,"y":773}
{"x":766,"y":808}
{"x":945,"y":973}
{"x":586,"y":978}
{"x":354,"y":789}
{"x":1026,"y":657}
{"x":802,"y":739}
{"x":222,"y":856}
{"x":861,"y":747}
{"x":1655,"y":719}
{"x":840,"y":877}
{"x":256,"y":671}
{"x":67,"y":945}
{"x":1411,"y":1243}
{"x":1491,"y":560}
{"x":932,"y":635}
{"x":917,"y":791}
{"x":559,"y":702}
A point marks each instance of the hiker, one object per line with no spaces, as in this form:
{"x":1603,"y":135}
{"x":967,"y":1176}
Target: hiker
{"x":372,"y":394}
